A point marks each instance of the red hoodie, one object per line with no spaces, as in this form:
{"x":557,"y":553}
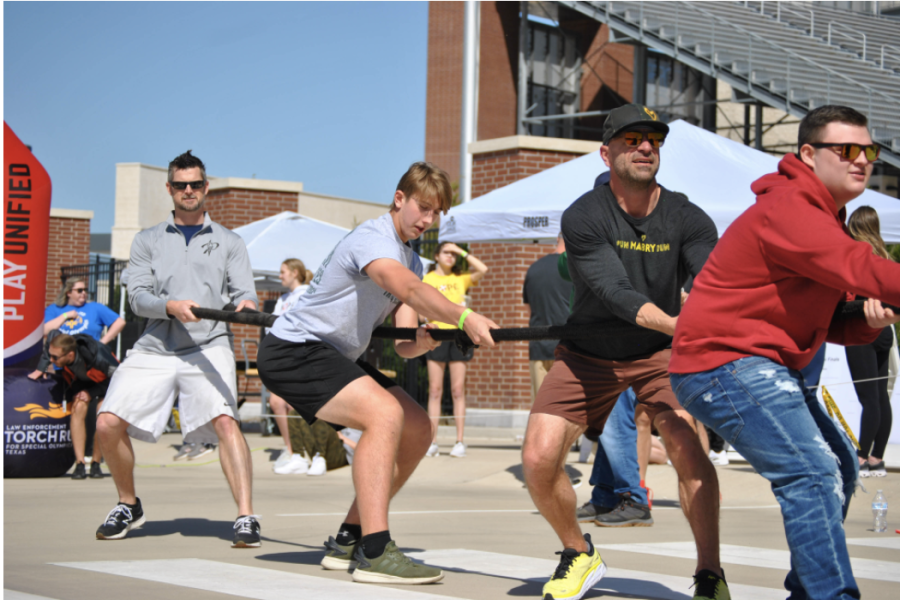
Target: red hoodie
{"x":772,"y":283}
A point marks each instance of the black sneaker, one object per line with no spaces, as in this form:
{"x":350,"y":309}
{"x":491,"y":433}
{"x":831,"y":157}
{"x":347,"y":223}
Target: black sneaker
{"x":589,"y":511}
{"x":121,"y":520}
{"x":96,"y":471}
{"x":709,"y":586}
{"x":627,"y":514}
{"x":79,"y":473}
{"x":877,"y":470}
{"x":246,"y":532}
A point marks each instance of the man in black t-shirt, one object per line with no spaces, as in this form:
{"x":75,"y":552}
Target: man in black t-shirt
{"x":547,"y":294}
{"x":631,"y":246}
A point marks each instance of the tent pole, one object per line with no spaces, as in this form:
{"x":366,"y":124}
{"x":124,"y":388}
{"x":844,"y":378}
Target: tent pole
{"x":469,"y":98}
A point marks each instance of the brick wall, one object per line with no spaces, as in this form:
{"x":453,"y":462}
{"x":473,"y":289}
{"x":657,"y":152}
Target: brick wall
{"x":606,"y":82}
{"x":494,"y":170}
{"x":499,"y":378}
{"x":443,"y":108}
{"x":70,"y":243}
{"x":236,"y":207}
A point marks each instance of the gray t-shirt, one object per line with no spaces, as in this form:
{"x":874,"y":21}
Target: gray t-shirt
{"x":343,"y":306}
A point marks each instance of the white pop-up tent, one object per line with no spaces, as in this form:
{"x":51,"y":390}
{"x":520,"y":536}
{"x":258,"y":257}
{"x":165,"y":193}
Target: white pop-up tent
{"x":272,"y":240}
{"x":713,"y":171}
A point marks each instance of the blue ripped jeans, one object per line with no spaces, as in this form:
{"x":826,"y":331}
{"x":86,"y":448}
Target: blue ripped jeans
{"x":615,"y":469}
{"x":765,"y":412}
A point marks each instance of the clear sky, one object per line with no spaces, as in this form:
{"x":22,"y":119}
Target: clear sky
{"x":328,"y":93}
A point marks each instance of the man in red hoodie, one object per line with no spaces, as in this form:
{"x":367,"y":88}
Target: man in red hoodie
{"x":758,"y":312}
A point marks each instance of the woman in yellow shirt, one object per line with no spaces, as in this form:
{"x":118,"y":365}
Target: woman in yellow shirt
{"x":446,"y":277}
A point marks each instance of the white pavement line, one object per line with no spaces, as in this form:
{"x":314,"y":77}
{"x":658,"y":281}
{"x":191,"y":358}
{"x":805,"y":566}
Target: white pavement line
{"x":618,"y":581}
{"x":14,"y":595}
{"x":246,"y":582}
{"x":863,"y":568}
{"x":411,"y":512}
{"x":532,"y":510}
{"x":890,"y":543}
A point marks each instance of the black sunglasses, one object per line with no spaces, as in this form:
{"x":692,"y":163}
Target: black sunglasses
{"x":54,"y":357}
{"x":182,"y":185}
{"x":851,"y":151}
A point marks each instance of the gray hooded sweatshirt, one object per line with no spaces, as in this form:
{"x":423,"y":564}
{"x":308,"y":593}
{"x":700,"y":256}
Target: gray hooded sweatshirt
{"x":212,"y":270}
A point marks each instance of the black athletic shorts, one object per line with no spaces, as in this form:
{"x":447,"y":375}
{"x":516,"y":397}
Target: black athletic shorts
{"x":448,"y":352}
{"x":308,"y":375}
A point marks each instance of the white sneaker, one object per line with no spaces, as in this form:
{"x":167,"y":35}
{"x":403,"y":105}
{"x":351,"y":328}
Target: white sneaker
{"x":459,"y":450}
{"x":283,"y":458}
{"x":297,"y":465}
{"x":719,"y":458}
{"x":433,"y":450}
{"x":318,"y":466}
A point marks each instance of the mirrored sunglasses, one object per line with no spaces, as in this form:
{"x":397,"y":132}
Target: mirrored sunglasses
{"x":851,"y":151}
{"x":636,"y":138}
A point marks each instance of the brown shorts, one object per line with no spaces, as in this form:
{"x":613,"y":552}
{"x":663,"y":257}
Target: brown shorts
{"x":584,"y":390}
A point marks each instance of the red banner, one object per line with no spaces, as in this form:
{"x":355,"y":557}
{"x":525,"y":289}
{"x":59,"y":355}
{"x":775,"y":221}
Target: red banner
{"x":26,"y":227}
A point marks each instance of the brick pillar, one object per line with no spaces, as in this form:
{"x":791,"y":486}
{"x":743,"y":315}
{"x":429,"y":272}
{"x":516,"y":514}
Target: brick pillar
{"x":70,"y":244}
{"x":499,"y":378}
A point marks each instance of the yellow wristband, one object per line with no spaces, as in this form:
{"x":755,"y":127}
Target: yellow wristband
{"x":463,"y":253}
{"x":462,"y":317}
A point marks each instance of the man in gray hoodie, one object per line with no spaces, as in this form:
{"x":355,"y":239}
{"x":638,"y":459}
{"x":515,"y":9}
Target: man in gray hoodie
{"x":185,"y":261}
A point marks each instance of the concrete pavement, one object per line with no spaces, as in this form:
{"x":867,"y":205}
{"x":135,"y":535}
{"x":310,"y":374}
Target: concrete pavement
{"x":471,"y":516}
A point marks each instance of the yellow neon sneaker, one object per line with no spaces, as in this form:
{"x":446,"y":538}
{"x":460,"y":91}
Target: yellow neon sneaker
{"x":710,"y":586}
{"x":576,"y":574}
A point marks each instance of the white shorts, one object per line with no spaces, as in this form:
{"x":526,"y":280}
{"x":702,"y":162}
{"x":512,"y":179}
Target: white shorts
{"x":144,"y":387}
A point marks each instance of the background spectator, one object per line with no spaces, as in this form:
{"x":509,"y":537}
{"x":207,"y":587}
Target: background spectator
{"x":547,"y":294}
{"x":295,"y":277}
{"x":869,"y":364}
{"x":446,"y":276}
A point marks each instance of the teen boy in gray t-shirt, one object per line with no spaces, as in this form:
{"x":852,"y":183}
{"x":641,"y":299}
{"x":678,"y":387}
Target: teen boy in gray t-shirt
{"x":310,"y":359}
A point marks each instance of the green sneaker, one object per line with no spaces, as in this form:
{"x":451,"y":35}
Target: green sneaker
{"x":393,"y":567}
{"x":337,"y":557}
{"x":710,"y":586}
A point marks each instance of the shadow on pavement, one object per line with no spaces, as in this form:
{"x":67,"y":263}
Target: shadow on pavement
{"x":516,"y":471}
{"x":222,"y":530}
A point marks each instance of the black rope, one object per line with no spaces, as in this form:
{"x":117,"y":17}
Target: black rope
{"x":844,"y":310}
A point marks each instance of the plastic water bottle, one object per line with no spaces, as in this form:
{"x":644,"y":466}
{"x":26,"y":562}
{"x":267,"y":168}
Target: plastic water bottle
{"x":879,"y":512}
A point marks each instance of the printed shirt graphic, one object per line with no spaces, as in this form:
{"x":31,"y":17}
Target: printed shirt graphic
{"x":453,"y":287}
{"x":343,"y":306}
{"x":91,"y":319}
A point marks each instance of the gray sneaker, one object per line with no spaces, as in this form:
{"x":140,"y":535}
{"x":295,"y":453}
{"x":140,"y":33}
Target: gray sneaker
{"x":392,"y":567}
{"x":201,"y":450}
{"x":627,"y":514}
{"x":337,"y":557}
{"x":589,"y":511}
{"x":184,"y":451}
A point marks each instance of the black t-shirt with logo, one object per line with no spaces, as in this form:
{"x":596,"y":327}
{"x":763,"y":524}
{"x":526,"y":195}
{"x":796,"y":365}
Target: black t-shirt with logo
{"x":618,"y":263}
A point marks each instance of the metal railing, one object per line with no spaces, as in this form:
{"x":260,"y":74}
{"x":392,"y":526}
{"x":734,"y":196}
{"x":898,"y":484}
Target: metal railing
{"x":103,"y":278}
{"x":833,"y":33}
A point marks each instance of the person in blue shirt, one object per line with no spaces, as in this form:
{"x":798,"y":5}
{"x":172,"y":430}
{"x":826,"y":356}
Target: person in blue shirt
{"x":72,"y":314}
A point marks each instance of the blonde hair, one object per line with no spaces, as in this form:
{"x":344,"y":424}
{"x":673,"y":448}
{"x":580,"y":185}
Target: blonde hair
{"x":62,"y":298}
{"x":296,"y":266}
{"x":426,"y":181}
{"x":865,"y":226}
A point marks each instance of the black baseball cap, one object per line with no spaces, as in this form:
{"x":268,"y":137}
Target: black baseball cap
{"x":628,"y":116}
